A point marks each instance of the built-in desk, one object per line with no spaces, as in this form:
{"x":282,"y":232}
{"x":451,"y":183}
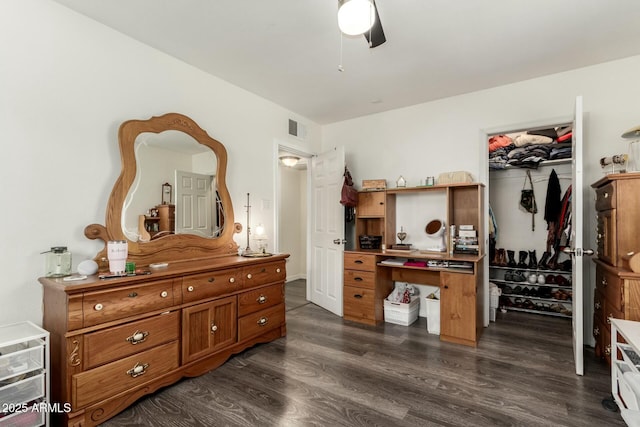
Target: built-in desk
{"x":369,"y":277}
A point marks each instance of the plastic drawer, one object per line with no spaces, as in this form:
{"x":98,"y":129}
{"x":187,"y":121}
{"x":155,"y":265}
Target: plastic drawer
{"x":19,"y":359}
{"x":22,"y":419}
{"x":22,"y":391}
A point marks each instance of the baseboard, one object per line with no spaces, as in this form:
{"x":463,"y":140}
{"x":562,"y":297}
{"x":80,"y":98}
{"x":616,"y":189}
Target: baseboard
{"x":296,"y":277}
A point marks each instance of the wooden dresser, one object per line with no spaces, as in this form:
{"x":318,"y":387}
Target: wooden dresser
{"x":115,"y":340}
{"x":617,"y":292}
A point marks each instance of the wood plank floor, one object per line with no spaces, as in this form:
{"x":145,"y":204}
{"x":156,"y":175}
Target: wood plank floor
{"x":330,"y":372}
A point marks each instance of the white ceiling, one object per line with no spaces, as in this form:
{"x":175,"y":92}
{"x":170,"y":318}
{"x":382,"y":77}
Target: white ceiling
{"x":288,"y":51}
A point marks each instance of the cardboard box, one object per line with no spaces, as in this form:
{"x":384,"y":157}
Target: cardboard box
{"x":374,"y":184}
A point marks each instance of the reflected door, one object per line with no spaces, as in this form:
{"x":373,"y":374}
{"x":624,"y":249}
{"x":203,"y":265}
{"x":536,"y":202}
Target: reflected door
{"x":194,"y":203}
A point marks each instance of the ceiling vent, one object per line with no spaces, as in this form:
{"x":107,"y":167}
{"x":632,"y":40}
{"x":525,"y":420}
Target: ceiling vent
{"x":297,"y":129}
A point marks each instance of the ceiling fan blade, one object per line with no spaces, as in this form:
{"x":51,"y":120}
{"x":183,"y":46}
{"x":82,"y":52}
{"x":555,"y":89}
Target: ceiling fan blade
{"x":375,"y":37}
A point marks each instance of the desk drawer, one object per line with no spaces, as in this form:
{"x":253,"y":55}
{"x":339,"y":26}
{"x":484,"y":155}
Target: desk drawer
{"x":103,"y":306}
{"x":360,"y":279}
{"x":259,"y":299}
{"x":209,"y":285}
{"x":125,"y":374}
{"x":115,"y":343}
{"x":606,"y":197}
{"x":263,"y":274}
{"x":260,"y":322}
{"x":359,"y":304}
{"x":355,"y":261}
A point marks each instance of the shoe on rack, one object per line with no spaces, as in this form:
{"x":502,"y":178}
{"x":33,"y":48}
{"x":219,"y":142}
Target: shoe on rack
{"x":496,"y":259}
{"x":518,"y":276}
{"x":511,"y":258}
{"x":522,"y":261}
{"x":550,"y":279}
{"x":533,"y":261}
{"x":542,"y":265}
{"x":562,"y":281}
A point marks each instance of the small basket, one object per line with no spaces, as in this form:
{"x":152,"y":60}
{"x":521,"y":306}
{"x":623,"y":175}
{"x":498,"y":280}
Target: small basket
{"x":401,"y":314}
{"x":370,"y":242}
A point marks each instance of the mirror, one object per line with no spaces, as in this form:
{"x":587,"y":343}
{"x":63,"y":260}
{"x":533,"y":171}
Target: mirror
{"x":169,"y":149}
{"x":188,"y":201}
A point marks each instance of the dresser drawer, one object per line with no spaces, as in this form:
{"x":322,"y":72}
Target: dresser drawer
{"x":208,"y":285}
{"x":115,"y":343}
{"x":259,"y":299}
{"x":260,"y":322}
{"x":103,"y":306}
{"x":360,"y":279}
{"x":606,"y":197}
{"x":96,"y":384}
{"x":359,"y":304}
{"x":355,"y":261}
{"x":263,"y":274}
{"x":610,"y":285}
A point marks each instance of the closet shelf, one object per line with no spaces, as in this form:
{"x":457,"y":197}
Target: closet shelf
{"x":538,"y":285}
{"x":548,"y":313}
{"x":530,"y":270}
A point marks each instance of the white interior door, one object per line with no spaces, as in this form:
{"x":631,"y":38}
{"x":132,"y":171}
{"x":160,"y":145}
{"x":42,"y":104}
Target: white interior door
{"x":327,"y":231}
{"x":576,"y":249}
{"x":194,"y":203}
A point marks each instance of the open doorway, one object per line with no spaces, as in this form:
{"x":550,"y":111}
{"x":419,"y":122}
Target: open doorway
{"x":292,"y":203}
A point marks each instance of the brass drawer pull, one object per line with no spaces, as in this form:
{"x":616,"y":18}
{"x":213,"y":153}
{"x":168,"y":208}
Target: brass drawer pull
{"x":262,"y":321}
{"x":277,"y":270}
{"x":597,"y":305}
{"x":607,"y":350}
{"x":261,"y":299}
{"x":164,"y":294}
{"x":249,"y":276}
{"x":212,"y":279}
{"x":137,"y":337}
{"x":137,"y":370}
{"x":609,"y":318}
{"x":190,"y":289}
{"x":604,"y":281}
{"x":98,"y":307}
{"x":596,"y":331}
{"x":232,"y":280}
{"x":133,"y":295}
{"x":214,"y":327}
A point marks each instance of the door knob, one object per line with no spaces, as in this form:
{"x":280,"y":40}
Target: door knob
{"x":577,"y":251}
{"x":339,"y":241}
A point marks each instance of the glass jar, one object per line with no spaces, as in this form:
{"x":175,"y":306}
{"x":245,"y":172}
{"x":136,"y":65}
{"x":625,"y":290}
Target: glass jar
{"x":58,"y":262}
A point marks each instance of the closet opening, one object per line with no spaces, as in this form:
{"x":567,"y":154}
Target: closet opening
{"x":529,"y":189}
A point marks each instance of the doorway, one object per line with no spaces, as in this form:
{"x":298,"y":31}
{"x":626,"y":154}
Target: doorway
{"x":292,"y":203}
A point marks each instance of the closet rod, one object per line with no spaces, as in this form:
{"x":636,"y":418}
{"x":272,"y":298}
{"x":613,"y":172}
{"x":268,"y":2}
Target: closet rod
{"x":547,"y":178}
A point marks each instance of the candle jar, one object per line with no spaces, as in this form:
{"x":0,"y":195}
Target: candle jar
{"x":58,"y":262}
{"x":117,"y":252}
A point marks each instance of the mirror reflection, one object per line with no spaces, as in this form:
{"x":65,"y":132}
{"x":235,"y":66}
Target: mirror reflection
{"x":175,"y":189}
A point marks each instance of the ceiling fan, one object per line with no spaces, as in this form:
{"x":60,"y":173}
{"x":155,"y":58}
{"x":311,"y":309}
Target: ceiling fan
{"x":357,"y":17}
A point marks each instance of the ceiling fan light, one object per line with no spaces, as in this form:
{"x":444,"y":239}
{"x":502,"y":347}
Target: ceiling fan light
{"x":355,"y":16}
{"x":290,"y":161}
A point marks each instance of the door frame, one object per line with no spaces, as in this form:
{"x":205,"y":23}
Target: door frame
{"x":294,"y":149}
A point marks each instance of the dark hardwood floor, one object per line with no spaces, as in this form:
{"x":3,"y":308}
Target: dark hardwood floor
{"x":331,"y":372}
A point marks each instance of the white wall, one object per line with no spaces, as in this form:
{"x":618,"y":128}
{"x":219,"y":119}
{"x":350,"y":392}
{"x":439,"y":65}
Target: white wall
{"x":444,"y":135}
{"x":293,"y":220}
{"x":67,"y":83}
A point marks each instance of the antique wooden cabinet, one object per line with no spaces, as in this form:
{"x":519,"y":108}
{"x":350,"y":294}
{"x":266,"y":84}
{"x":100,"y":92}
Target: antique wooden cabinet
{"x":617,"y":291}
{"x":114,"y":340}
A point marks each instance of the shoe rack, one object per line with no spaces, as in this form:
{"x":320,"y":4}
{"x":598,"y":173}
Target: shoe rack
{"x":534,"y":290}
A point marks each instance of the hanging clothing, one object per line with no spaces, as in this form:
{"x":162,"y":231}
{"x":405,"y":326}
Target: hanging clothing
{"x":553,"y":203}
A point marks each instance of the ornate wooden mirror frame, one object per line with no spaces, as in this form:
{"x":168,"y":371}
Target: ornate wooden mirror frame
{"x":176,"y":246}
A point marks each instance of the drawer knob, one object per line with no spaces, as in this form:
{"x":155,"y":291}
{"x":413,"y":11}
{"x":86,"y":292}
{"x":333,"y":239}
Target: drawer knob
{"x":596,"y":331}
{"x":604,"y":281}
{"x":277,"y":270}
{"x":137,"y":337}
{"x":137,"y":370}
{"x":599,"y":236}
{"x":190,"y":289}
{"x":212,"y":279}
{"x":249,"y":276}
{"x":98,"y":307}
{"x":609,"y":318}
{"x":261,"y":299}
{"x":597,"y":305}
{"x":232,"y":280}
{"x":164,"y":294}
{"x":262,"y":321}
{"x":214,"y":327}
{"x":133,"y":294}
{"x":607,"y":350}
{"x":606,"y":195}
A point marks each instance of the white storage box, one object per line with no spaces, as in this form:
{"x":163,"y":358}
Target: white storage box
{"x":433,"y":315}
{"x":492,"y":314}
{"x":22,"y":391}
{"x":21,"y":358}
{"x":401,"y":314}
